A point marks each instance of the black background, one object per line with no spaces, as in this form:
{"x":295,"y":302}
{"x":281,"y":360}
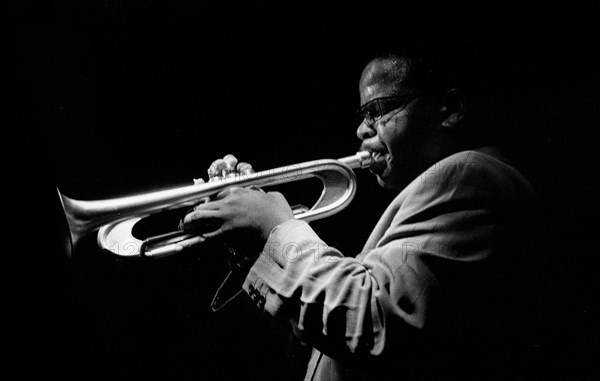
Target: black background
{"x":114,"y":97}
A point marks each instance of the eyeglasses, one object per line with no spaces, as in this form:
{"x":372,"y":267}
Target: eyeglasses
{"x":375,"y":109}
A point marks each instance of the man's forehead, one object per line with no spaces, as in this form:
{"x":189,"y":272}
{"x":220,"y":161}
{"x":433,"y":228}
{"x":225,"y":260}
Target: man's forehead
{"x":384,"y":70}
{"x":376,"y":90}
{"x":381,"y":78}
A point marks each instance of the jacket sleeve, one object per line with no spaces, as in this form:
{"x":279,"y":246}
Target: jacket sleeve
{"x":345,"y":305}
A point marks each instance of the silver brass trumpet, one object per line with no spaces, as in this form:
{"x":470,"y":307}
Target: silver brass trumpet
{"x":115,"y":218}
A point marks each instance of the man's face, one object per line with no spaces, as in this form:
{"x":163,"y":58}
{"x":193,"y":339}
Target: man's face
{"x":400,"y":138}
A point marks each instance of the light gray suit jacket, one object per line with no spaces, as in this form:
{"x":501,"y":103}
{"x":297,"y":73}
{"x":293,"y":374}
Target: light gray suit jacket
{"x":425,"y":285}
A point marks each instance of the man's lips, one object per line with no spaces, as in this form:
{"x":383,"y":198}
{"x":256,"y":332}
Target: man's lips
{"x":379,"y":161}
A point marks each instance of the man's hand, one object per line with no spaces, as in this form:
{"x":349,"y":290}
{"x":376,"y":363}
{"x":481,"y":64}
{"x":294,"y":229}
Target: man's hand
{"x":242,"y":208}
{"x":234,"y":212}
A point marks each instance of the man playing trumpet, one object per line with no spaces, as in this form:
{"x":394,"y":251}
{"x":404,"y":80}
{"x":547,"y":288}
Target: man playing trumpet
{"x":434,"y":292}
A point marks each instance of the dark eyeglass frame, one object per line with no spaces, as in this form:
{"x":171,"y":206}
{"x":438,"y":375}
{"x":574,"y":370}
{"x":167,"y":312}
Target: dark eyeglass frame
{"x":372,"y":111}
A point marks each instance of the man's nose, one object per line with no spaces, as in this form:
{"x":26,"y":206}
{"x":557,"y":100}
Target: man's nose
{"x":365,"y":130}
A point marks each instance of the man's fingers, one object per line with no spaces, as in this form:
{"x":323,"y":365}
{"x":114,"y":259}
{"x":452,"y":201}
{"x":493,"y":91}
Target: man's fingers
{"x":209,"y":205}
{"x":197,"y":215}
{"x":226,"y":192}
{"x":279,"y":197}
{"x":244,"y":169}
{"x":214,"y":233}
{"x":230,"y":160}
{"x":205,"y":222}
{"x":216,"y":168}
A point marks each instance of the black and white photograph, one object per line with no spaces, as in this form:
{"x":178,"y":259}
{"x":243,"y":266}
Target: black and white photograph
{"x":294,"y":191}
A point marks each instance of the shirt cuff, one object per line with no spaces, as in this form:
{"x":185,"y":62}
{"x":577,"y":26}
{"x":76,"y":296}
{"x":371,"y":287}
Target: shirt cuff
{"x":285,"y":246}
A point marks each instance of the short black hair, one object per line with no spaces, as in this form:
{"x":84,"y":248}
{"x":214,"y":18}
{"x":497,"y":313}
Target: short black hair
{"x":424,"y":70}
{"x":432,"y":70}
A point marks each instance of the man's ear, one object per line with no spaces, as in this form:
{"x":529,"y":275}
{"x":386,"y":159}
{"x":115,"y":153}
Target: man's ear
{"x":453,"y":108}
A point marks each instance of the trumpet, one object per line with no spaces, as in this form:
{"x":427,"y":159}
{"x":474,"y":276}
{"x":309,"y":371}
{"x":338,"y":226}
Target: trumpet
{"x":114,"y":219}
